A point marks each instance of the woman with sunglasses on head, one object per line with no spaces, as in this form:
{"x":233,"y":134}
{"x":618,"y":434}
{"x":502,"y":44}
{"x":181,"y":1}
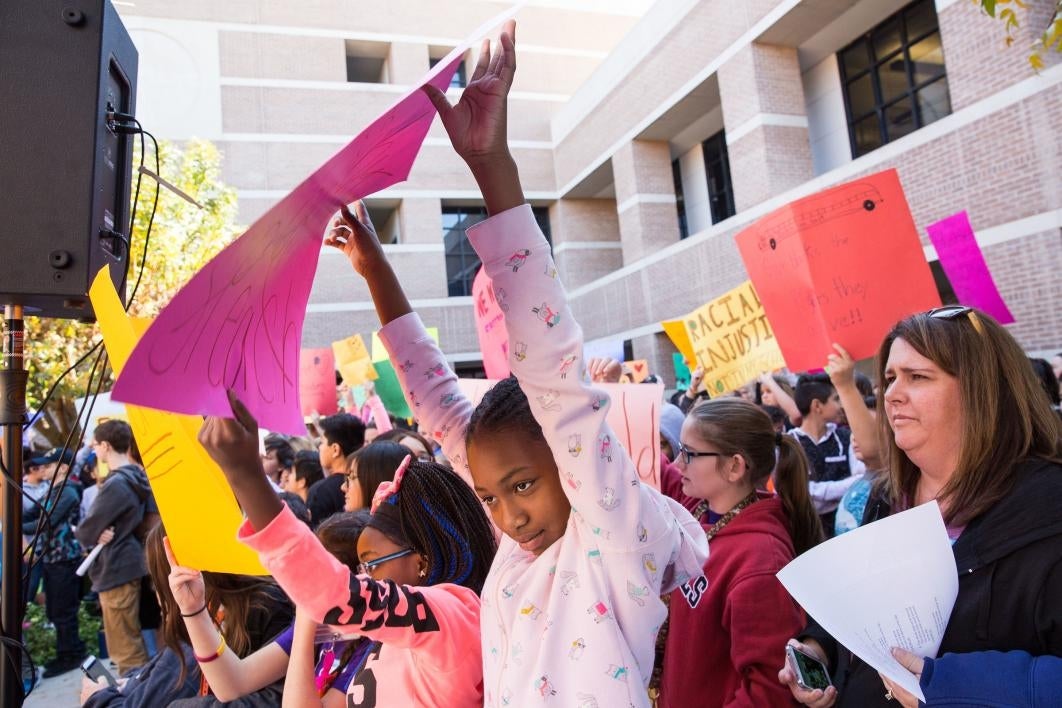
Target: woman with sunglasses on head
{"x":965,"y":424}
{"x":722,"y":641}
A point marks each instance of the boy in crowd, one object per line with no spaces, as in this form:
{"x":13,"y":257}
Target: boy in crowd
{"x":832,"y":464}
{"x":341,"y":436}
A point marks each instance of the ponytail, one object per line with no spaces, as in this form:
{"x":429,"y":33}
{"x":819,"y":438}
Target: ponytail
{"x":791,"y":484}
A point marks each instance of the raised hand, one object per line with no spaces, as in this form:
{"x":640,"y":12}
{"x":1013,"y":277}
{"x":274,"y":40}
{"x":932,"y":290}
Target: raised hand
{"x":232,"y":442}
{"x":354,"y":235}
{"x":840,"y":367}
{"x":186,"y":584}
{"x":477,"y":124}
{"x":603,"y":369}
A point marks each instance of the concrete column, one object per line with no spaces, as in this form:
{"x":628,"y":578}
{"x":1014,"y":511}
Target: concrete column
{"x":585,"y":234}
{"x":645,"y":198}
{"x":406,"y":63}
{"x":766,"y":123}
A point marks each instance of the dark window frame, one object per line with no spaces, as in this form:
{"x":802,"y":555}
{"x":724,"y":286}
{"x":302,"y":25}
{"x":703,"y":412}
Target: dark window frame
{"x":720,"y":202}
{"x":459,"y":280}
{"x":680,"y":199}
{"x":874,"y":64}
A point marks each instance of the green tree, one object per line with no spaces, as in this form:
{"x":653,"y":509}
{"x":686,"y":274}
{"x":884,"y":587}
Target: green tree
{"x":1049,"y":40}
{"x":183,"y":238}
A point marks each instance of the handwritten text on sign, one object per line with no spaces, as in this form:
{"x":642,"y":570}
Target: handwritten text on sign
{"x":732,"y":340}
{"x":238,"y":322}
{"x":840,"y":266}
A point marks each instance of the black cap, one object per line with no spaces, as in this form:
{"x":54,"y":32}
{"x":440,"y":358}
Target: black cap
{"x":54,"y":455}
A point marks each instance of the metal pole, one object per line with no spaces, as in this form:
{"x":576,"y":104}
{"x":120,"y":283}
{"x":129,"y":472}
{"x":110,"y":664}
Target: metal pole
{"x":13,"y":380}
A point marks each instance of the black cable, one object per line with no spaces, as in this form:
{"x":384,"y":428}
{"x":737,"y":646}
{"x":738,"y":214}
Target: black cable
{"x":59,"y":379}
{"x":151,"y":219}
{"x":4,"y":642}
{"x":136,"y":203}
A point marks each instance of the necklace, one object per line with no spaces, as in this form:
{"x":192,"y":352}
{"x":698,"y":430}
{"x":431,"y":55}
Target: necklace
{"x":726,"y":518}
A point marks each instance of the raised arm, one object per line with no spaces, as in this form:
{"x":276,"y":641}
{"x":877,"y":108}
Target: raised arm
{"x":429,"y":384}
{"x":841,"y":368}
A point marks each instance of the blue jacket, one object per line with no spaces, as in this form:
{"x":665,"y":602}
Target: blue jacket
{"x":993,"y":678}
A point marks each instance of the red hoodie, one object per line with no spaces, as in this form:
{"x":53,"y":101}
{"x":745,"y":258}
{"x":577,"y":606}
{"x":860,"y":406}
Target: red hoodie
{"x":726,"y":651}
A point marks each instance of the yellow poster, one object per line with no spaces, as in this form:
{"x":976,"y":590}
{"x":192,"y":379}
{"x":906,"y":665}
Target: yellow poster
{"x":353,"y":361}
{"x":197,"y":506}
{"x":732,"y":340}
{"x":680,"y":337}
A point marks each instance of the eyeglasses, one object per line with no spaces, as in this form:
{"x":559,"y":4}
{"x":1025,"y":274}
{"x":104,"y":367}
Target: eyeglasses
{"x":954,"y":312}
{"x":368,"y":567}
{"x":688,"y":454}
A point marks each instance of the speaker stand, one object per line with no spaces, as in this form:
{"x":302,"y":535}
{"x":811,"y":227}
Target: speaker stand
{"x":13,"y":380}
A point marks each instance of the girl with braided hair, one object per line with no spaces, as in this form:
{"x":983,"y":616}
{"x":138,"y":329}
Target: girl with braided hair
{"x":572,"y":603}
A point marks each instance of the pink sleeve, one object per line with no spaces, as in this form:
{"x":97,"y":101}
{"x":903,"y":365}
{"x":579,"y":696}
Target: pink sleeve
{"x":396,"y":615}
{"x":546,"y":355}
{"x":430,"y":386}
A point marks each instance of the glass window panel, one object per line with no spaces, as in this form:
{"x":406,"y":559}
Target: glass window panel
{"x":867,"y":135}
{"x":855,"y":59}
{"x":892,"y":78}
{"x":899,"y":119}
{"x":927,"y":59}
{"x":934,"y":102}
{"x":921,"y":18}
{"x":861,"y":96}
{"x":887,"y":38}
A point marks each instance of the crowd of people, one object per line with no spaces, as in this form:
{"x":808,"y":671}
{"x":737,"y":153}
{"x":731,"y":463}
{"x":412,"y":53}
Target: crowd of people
{"x":482,"y":558}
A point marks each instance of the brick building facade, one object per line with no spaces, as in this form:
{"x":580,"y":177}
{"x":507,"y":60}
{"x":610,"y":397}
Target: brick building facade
{"x":650,"y":134}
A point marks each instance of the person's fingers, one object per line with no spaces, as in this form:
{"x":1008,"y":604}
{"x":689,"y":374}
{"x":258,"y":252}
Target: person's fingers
{"x":483,"y":61}
{"x":242,"y":415}
{"x":439,"y":100}
{"x":362,"y":213}
{"x":495,"y":60}
{"x":508,"y":45}
{"x":842,"y":351}
{"x":170,"y":557}
{"x":912,"y":662}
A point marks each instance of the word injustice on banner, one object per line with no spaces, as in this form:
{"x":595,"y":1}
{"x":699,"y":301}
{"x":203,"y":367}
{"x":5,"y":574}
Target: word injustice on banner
{"x":634,"y":416}
{"x":238,"y":322}
{"x":839,"y":266}
{"x":196,"y":504}
{"x":732,"y":340}
{"x":964,"y":264}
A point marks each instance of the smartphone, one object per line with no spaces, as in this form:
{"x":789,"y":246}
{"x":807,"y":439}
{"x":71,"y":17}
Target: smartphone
{"x":95,"y":670}
{"x":810,"y":672}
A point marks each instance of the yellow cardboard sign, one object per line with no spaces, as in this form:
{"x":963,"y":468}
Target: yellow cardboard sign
{"x":680,"y":337}
{"x":353,"y":361}
{"x":197,"y":506}
{"x":732,"y":340}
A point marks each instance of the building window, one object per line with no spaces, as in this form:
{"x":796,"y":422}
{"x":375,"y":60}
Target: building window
{"x":717,"y":166}
{"x":459,"y":79}
{"x":462,"y":263}
{"x":680,"y":201}
{"x":367,"y":62}
{"x":893,"y":78}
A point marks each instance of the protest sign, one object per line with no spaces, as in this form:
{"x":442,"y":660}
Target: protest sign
{"x":682,"y":372}
{"x":196,"y":504}
{"x":840,"y":266}
{"x":317,"y":382}
{"x":732,"y":340}
{"x":490,"y":327}
{"x":964,"y":264}
{"x":680,"y":337}
{"x":353,"y":361}
{"x":238,"y":322}
{"x":635,"y":371}
{"x":634,"y":417}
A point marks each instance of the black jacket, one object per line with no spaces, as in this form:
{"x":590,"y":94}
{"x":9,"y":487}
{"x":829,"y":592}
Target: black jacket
{"x":120,"y":503}
{"x":1009,"y":562}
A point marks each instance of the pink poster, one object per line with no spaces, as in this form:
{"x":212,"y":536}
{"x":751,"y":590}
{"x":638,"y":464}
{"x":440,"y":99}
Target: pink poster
{"x":238,"y":322}
{"x":317,"y":382}
{"x":964,"y":264}
{"x":490,"y":326}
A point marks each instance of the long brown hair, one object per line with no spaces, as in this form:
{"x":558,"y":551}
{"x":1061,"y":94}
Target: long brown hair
{"x":238,"y":594}
{"x":1005,"y":418}
{"x":739,"y":427}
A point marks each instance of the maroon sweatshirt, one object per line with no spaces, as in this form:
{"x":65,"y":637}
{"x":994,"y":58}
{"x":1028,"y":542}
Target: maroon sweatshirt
{"x":727,"y":649}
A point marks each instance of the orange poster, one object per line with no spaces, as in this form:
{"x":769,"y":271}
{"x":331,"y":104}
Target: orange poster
{"x":840,"y":266}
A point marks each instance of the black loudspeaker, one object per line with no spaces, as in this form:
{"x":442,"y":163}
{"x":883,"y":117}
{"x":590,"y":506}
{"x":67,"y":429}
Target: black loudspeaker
{"x":64,"y":169}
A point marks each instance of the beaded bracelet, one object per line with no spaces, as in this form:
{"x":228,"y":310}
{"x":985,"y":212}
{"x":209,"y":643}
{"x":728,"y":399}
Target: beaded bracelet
{"x":219,"y":652}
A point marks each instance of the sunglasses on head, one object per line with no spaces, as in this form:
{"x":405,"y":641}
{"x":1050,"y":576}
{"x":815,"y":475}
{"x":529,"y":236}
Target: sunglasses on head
{"x":954,"y":312}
